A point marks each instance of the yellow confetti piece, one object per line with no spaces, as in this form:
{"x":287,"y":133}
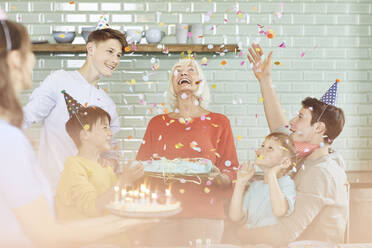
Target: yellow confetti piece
{"x":214,"y":125}
{"x":163,"y":117}
{"x":217,"y":154}
{"x":255,"y":8}
{"x":257,"y":49}
{"x":214,"y":86}
{"x":132,"y":81}
{"x":261,"y":99}
{"x":86,"y":127}
{"x":207,"y":190}
{"x":127,"y":49}
{"x":130,"y":136}
{"x":212,"y":150}
{"x":62,"y":36}
{"x":239,"y":137}
{"x":182,"y":121}
{"x":260,"y":157}
{"x":234,"y":181}
{"x":178,"y":146}
{"x":161,"y":24}
{"x":14,"y":7}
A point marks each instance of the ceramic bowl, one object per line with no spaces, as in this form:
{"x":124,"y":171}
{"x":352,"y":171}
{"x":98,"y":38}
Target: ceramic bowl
{"x":64,"y":37}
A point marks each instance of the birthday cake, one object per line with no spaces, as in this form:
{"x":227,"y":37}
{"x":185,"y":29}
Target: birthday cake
{"x":178,"y":166}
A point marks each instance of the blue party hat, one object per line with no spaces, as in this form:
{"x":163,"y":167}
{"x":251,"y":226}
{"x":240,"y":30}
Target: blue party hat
{"x":331,"y":95}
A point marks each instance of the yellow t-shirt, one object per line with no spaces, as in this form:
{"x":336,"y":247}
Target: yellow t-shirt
{"x":81,"y":182}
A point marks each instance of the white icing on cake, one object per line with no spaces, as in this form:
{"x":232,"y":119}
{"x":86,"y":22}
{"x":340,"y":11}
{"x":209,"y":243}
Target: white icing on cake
{"x":136,"y":207}
{"x":177,"y":166}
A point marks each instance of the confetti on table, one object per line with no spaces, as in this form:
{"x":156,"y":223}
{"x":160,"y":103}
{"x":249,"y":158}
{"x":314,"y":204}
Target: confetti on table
{"x":214,"y":125}
{"x":217,"y":154}
{"x":208,"y":183}
{"x":182,"y":191}
{"x":207,"y":190}
{"x":86,"y":127}
{"x":223,"y":62}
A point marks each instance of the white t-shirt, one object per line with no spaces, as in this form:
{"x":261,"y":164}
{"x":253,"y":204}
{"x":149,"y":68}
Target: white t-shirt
{"x":21,"y":182}
{"x":47,"y":104}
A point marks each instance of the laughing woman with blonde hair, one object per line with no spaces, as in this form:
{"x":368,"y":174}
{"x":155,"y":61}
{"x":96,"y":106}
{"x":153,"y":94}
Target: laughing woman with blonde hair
{"x":202,"y":134}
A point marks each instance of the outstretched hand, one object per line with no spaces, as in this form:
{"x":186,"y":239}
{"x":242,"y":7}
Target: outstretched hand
{"x":245,"y":173}
{"x":262,"y":69}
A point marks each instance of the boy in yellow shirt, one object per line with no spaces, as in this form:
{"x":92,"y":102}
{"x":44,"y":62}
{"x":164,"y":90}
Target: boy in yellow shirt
{"x":85,"y":186}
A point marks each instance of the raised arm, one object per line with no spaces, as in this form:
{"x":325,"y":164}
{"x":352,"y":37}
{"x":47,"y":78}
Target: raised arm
{"x":262,"y":70}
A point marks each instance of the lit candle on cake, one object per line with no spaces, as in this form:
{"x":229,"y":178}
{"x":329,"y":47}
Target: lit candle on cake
{"x":154,"y":198}
{"x":168,"y":196}
{"x":123,"y":194}
{"x":116,"y":189}
{"x":142,"y":198}
{"x":136,"y":194}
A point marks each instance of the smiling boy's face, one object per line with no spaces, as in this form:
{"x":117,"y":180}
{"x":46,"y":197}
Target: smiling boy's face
{"x":105,"y":56}
{"x":100,"y":135}
{"x":269,"y":154}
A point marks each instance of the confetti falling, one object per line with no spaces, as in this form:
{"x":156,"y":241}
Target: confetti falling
{"x":178,"y":146}
{"x":223,"y":62}
{"x":86,"y":127}
{"x":239,"y":137}
{"x":261,"y":99}
{"x":127,"y":49}
{"x":214,"y":125}
{"x":207,"y":190}
{"x":302,"y":54}
{"x":282,"y":45}
{"x":214,"y":86}
{"x":260,"y":157}
{"x":182,"y":191}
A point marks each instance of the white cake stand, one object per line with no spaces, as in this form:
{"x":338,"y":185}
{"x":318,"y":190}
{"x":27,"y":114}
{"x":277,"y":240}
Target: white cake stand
{"x":163,"y":214}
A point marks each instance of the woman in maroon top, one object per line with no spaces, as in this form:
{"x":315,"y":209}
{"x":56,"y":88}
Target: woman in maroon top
{"x":191,"y":131}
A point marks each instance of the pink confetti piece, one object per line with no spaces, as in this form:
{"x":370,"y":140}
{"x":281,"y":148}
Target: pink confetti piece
{"x":242,"y":63}
{"x":282,"y":45}
{"x":189,"y":34}
{"x":302,"y":54}
{"x":225,"y":20}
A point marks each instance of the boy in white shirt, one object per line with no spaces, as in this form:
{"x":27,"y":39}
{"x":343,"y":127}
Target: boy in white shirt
{"x":104,"y":49}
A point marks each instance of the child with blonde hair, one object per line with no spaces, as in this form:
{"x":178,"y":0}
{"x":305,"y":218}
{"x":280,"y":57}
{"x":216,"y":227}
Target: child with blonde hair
{"x":274,"y":196}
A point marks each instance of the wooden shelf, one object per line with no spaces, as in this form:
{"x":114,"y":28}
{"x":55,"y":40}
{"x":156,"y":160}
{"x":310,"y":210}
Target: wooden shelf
{"x":142,"y":48}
